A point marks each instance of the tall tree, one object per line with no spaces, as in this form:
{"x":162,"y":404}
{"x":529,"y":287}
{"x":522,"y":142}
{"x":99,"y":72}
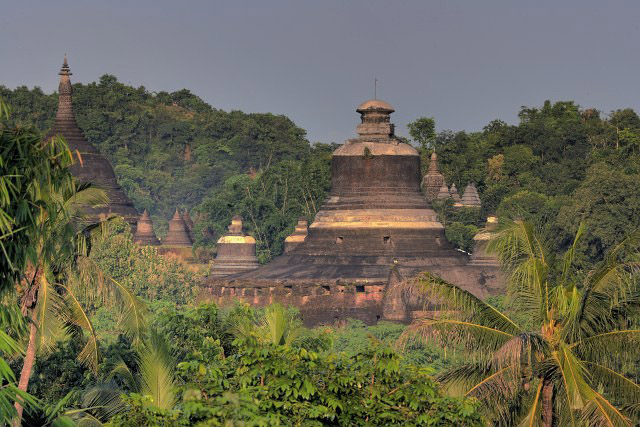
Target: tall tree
{"x":62,"y":277}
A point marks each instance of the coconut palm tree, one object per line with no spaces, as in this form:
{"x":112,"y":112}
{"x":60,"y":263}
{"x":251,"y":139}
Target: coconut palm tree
{"x":561,"y":363}
{"x":62,"y":277}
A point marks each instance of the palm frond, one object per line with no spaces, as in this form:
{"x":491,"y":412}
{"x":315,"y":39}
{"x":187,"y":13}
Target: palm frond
{"x":533,"y":417}
{"x":599,"y":412}
{"x":569,"y":256}
{"x":616,"y":385}
{"x":480,"y":339}
{"x":612,"y":347}
{"x":77,"y":316}
{"x":157,"y":377}
{"x":48,"y":316}
{"x":573,"y":378}
{"x":102,"y":402}
{"x":464,"y":304}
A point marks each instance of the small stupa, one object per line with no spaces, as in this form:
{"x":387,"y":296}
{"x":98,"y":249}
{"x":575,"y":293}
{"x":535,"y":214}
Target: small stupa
{"x":298,"y":236}
{"x":454,"y":193}
{"x":470,"y":197}
{"x":236,"y":252}
{"x":433,"y":180}
{"x":177,"y":235}
{"x":144,"y":231}
{"x":443,"y":193}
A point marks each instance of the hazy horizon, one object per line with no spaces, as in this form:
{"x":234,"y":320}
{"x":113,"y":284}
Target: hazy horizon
{"x":464,"y":63}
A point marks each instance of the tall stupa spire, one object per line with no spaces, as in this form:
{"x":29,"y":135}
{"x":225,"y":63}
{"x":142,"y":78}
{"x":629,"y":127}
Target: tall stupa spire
{"x":90,"y":166}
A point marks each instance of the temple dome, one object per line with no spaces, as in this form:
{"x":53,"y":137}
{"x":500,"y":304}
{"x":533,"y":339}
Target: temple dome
{"x":375,"y":104}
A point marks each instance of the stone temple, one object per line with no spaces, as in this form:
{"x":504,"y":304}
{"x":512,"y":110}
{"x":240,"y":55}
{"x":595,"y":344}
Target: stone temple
{"x":89,"y":165}
{"x":376,"y":227}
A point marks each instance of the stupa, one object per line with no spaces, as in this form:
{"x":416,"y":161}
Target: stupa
{"x":433,"y":180}
{"x":454,"y":193}
{"x":375,"y":218}
{"x":236,"y":252}
{"x":89,"y":164}
{"x":470,"y":197}
{"x":298,"y":236}
{"x":144,"y":231}
{"x":177,"y":234}
{"x":443,"y":193}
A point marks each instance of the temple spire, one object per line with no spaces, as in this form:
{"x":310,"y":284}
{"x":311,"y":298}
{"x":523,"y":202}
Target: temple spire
{"x":64,"y":93}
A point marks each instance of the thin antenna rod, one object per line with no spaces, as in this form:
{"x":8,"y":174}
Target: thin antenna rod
{"x":375,"y":88}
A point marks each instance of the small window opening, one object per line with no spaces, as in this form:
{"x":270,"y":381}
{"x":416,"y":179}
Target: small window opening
{"x":326,"y":288}
{"x":359,"y":288}
{"x":386,"y":240}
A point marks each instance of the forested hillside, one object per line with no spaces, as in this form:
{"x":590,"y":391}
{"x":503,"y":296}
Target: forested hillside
{"x":561,"y":162}
{"x":173,"y":150}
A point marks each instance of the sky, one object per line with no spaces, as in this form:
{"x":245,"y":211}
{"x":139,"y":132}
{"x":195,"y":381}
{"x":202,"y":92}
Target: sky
{"x":464,"y":63}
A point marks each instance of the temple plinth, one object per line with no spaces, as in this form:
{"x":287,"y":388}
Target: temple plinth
{"x":236,"y":252}
{"x":375,"y":218}
{"x":89,"y":165}
{"x":144,"y":231}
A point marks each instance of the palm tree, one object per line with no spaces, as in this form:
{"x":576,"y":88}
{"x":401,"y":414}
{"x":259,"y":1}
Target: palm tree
{"x":273,"y":325}
{"x":153,"y":376}
{"x":62,"y":276}
{"x":560,"y":364}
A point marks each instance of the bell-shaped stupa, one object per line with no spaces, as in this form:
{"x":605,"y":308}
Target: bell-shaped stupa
{"x":144,"y":231}
{"x":236,"y":252}
{"x":470,"y":198}
{"x":177,"y":234}
{"x":89,"y":165}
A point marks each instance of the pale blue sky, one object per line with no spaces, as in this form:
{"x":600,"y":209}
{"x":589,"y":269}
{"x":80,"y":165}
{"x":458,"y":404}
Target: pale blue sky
{"x":463,"y":62}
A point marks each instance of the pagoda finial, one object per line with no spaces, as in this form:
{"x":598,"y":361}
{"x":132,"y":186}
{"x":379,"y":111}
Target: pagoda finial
{"x":65,"y":70}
